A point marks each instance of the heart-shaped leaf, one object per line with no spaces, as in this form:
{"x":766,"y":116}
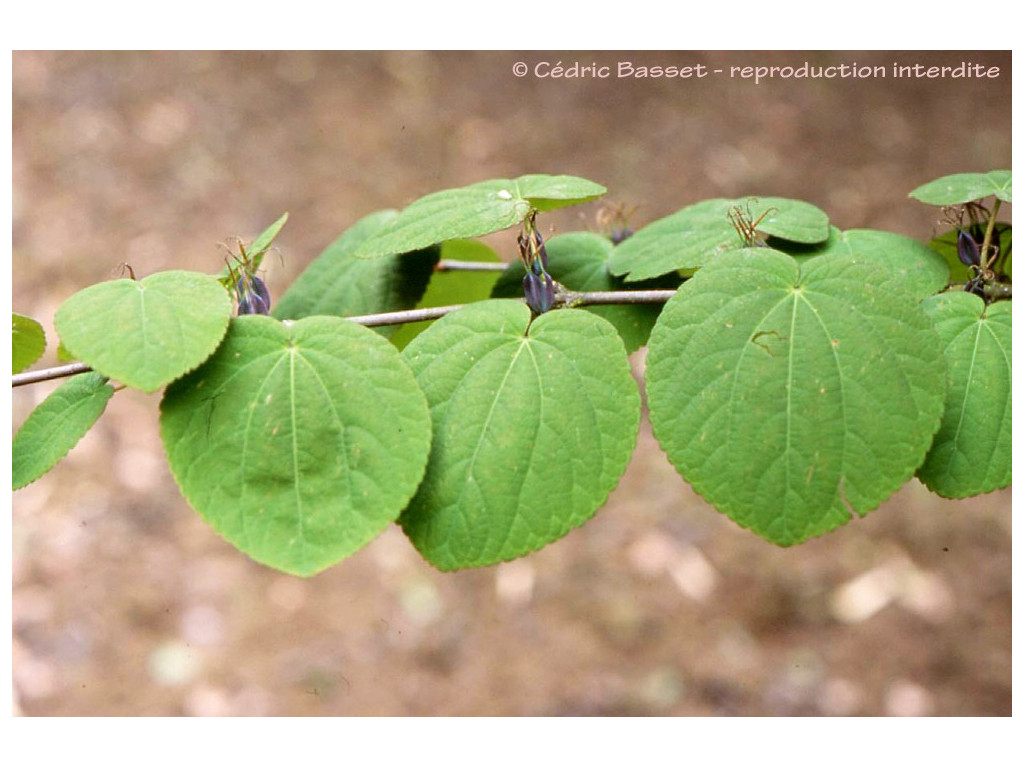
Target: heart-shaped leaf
{"x":790,"y":396}
{"x":966,"y":187}
{"x":689,"y":238}
{"x":146,"y":333}
{"x":337,"y":283}
{"x":579,"y":261}
{"x":298,"y":442}
{"x":27,"y":343}
{"x":534,"y":425}
{"x":479,"y":209}
{"x":972,"y":450}
{"x":56,"y":426}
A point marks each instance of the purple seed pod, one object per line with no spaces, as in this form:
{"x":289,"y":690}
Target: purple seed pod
{"x":967,"y":249}
{"x":539,"y":291}
{"x":253,"y":296}
{"x":618,"y":235}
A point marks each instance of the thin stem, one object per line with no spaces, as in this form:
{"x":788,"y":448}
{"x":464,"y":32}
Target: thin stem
{"x":985,"y":259}
{"x":405,"y":316}
{"x":564,"y":298}
{"x":993,"y":291}
{"x":604,"y":298}
{"x":452,"y":265}
{"x":61,"y":371}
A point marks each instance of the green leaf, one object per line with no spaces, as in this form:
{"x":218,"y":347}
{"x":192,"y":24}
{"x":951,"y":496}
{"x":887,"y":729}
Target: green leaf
{"x":27,"y":343}
{"x":972,"y":450}
{"x":579,"y":261}
{"x":297,"y":442}
{"x":56,"y":426}
{"x":63,"y":356}
{"x":920,"y":269}
{"x":479,"y":209}
{"x":336,"y":283}
{"x":259,"y":247}
{"x":792,"y":395}
{"x":534,"y":425}
{"x":965,"y":188}
{"x":453,"y":286}
{"x":695,"y":235}
{"x":146,"y":333}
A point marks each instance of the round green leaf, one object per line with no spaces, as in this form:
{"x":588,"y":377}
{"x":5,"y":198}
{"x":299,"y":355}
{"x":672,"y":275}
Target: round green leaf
{"x":965,"y":188}
{"x":579,"y":261}
{"x":479,"y":209}
{"x":790,"y":396}
{"x":534,"y":425}
{"x":690,"y":238}
{"x":920,"y":269}
{"x":298,"y":442}
{"x":56,"y":426}
{"x":146,"y":333}
{"x":972,"y":450}
{"x":337,"y":283}
{"x":27,"y":343}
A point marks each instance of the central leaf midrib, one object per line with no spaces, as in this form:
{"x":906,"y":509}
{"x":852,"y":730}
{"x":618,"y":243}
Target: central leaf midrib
{"x":245,"y":439}
{"x":966,"y":397}
{"x":748,"y":344}
{"x":980,"y":326}
{"x":842,"y":388}
{"x":491,"y":410}
{"x":789,"y":407}
{"x":291,"y":352}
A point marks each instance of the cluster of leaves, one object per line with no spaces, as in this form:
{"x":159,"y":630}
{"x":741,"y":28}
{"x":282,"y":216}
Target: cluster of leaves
{"x":798,"y":375}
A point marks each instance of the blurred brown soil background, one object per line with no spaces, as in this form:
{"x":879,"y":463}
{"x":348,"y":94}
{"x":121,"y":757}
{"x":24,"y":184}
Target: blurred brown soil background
{"x":126,"y":603}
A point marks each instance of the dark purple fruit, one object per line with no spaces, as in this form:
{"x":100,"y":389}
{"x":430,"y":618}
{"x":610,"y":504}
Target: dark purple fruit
{"x":539,"y":291}
{"x":967,"y":249}
{"x":253,"y":296}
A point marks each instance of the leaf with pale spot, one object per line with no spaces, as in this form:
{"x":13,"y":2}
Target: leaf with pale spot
{"x":960,"y":188}
{"x":476,"y":210}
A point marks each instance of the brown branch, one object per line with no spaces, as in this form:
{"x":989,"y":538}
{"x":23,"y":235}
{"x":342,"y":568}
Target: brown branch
{"x":565,"y":299}
{"x":61,"y":371}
